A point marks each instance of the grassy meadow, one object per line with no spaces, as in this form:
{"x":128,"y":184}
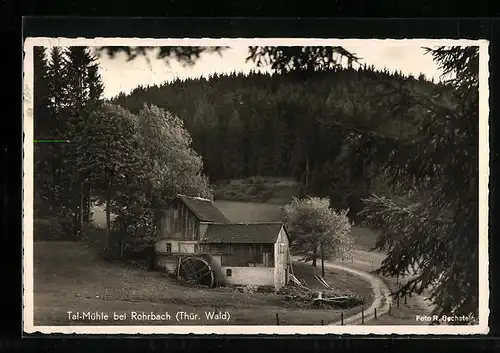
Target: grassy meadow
{"x":70,"y":276}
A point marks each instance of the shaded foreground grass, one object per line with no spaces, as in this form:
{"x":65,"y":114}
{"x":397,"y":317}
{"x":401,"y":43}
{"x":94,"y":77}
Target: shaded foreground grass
{"x":70,"y":277}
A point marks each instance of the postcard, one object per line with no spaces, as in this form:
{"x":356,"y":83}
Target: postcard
{"x":255,"y":186}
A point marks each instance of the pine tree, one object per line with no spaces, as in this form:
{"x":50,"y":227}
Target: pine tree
{"x":56,"y":86}
{"x":234,"y":146}
{"x":84,"y":91}
{"x":42,"y":126}
{"x":433,"y":228}
{"x":73,"y":90}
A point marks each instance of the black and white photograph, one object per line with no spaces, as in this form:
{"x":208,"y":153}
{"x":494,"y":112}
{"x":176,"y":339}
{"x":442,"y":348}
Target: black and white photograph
{"x":268,"y":186}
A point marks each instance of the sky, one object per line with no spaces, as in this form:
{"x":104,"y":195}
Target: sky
{"x":120,"y":75}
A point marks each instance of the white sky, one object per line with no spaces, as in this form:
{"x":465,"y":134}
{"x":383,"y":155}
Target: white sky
{"x":120,"y":75}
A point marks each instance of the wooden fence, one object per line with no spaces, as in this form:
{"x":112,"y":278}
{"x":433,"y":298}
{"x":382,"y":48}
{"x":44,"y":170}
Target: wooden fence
{"x":398,"y":301}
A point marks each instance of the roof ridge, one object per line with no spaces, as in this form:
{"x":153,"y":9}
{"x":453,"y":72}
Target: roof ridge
{"x":194,"y":197}
{"x":200,"y":206}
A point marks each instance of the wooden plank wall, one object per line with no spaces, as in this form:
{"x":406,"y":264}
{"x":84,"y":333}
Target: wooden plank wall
{"x":180,"y":222}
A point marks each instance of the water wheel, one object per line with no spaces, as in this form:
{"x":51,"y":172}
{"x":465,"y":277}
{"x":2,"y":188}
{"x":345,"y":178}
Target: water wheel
{"x":196,"y":270}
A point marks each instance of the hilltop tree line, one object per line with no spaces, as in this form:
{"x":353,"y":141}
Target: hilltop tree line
{"x":105,"y":154}
{"x":286,"y":124}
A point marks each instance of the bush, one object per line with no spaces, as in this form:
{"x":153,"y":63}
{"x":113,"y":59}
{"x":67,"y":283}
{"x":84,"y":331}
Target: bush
{"x":48,"y":229}
{"x":266,"y":195}
{"x":252,"y":190}
{"x":219,"y":194}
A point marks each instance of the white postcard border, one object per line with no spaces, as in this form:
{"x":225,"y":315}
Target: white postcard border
{"x":28,"y":185}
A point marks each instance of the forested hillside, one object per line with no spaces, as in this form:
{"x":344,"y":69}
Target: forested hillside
{"x":290,"y":124}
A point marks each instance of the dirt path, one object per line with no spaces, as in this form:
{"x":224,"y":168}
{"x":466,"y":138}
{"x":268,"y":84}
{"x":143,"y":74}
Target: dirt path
{"x":367,"y":261}
{"x":381,"y":292}
{"x":370,"y":260}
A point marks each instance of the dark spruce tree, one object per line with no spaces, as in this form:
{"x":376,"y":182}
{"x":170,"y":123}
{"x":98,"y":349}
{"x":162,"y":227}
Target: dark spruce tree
{"x":433,"y":226}
{"x":84,"y":91}
{"x":68,"y":88}
{"x":57,"y":102}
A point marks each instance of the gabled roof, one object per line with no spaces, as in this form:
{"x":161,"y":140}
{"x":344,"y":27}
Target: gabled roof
{"x":204,"y":209}
{"x":242,"y":233}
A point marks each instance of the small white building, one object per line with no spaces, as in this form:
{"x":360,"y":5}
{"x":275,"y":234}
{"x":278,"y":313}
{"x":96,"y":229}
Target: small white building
{"x":235,"y":253}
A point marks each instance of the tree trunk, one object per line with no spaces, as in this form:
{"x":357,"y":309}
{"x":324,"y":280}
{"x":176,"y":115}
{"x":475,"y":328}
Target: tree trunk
{"x":74,"y":207}
{"x":86,"y":210}
{"x":108,"y":214}
{"x":75,"y":224}
{"x":81,"y":211}
{"x":155,"y":204}
{"x":315,"y":256}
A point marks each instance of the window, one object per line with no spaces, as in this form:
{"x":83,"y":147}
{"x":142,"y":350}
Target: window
{"x":229,"y":272}
{"x":168,"y":247}
{"x":282,"y":248}
{"x":265,"y":259}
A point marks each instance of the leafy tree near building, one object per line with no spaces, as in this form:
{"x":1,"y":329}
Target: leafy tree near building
{"x":317,"y":230}
{"x":164,"y":165}
{"x":109,"y":159}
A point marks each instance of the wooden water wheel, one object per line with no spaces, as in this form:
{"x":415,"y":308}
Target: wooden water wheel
{"x":197,"y":270}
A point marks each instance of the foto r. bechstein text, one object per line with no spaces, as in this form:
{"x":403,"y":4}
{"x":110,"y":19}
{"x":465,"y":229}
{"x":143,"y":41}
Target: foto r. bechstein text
{"x":444,"y":318}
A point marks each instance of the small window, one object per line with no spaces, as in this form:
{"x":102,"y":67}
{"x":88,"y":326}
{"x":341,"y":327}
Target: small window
{"x":168,"y":247}
{"x":282,"y":248}
{"x":229,"y":272}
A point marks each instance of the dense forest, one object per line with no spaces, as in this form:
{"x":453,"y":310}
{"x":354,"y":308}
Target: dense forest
{"x":288,"y":124}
